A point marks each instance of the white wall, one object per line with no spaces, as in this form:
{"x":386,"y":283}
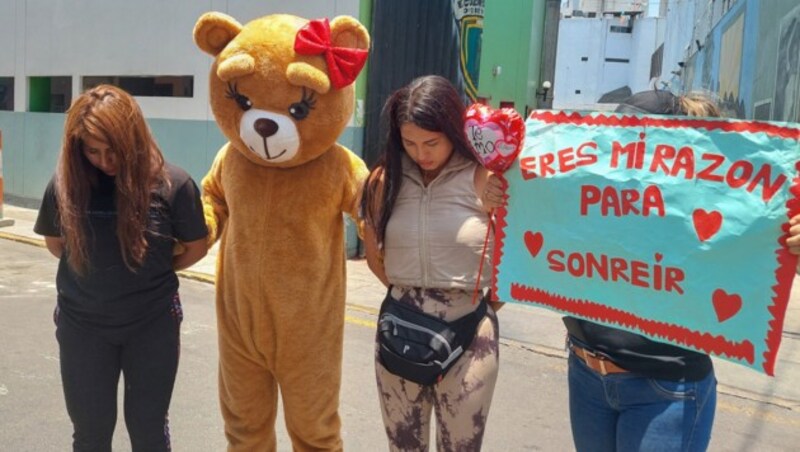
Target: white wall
{"x":678,"y":42}
{"x":578,"y":38}
{"x":618,"y":46}
{"x":126,"y":37}
{"x":7,"y":33}
{"x":583,"y":37}
{"x":648,"y":34}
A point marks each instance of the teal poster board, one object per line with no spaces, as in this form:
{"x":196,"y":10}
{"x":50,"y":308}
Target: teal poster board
{"x":673,"y":228}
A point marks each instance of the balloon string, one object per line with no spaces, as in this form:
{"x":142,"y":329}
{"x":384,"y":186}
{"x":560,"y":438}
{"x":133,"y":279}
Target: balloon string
{"x":489,"y":228}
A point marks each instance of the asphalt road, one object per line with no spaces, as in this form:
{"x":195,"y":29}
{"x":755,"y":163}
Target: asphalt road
{"x":529,"y":410}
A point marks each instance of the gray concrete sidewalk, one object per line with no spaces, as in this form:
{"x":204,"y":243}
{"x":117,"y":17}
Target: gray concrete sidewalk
{"x":537,"y":330}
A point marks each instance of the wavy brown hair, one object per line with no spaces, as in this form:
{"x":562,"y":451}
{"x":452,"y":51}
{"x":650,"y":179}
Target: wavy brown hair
{"x":108,"y":114}
{"x":430,"y":102}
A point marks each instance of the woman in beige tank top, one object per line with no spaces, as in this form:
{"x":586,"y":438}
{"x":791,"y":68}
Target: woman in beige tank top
{"x":424,"y":230}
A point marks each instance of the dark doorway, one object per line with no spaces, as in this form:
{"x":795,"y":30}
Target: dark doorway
{"x":410,"y":38}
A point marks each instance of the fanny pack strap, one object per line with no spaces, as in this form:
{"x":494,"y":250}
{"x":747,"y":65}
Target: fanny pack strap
{"x":468,"y":322}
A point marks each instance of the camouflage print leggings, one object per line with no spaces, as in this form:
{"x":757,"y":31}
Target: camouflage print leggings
{"x":461,"y":400}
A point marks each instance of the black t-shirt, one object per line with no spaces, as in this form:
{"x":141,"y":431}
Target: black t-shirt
{"x":110,"y":295}
{"x":639,"y":354}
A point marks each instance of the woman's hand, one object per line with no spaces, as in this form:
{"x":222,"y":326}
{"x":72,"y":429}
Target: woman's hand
{"x":55,"y":245}
{"x":493,"y":194}
{"x":186,"y":254}
{"x":793,"y":242}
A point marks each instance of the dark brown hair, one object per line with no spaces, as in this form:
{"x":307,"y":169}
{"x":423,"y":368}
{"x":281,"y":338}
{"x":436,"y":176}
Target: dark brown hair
{"x":108,"y":114}
{"x":665,"y":103}
{"x":429,"y":102}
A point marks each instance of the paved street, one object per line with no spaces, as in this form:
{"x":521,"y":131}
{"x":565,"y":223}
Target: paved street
{"x":529,"y":410}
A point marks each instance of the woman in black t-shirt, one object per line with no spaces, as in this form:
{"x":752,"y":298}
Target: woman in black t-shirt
{"x":627,"y":392}
{"x":112,"y":214}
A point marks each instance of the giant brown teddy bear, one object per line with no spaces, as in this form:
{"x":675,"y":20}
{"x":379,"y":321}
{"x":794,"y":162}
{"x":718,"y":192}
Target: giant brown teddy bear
{"x":281,"y":92}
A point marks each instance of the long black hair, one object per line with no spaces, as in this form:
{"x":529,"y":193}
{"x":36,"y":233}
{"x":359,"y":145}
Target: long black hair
{"x":429,"y":102}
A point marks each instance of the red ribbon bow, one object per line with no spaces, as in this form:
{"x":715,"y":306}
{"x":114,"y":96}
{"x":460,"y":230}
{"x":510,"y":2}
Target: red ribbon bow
{"x":344,"y":63}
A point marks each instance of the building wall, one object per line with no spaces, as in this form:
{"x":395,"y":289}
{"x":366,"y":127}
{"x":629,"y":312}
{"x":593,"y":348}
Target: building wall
{"x":593,"y":61}
{"x":774,"y":70}
{"x":506,"y":24}
{"x":648,"y":35}
{"x":80,"y":38}
{"x":678,"y":41}
{"x":746,"y":62}
{"x":579,"y":63}
{"x":599,"y":7}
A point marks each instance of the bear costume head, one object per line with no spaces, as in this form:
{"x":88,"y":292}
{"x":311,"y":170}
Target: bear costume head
{"x":282,"y":86}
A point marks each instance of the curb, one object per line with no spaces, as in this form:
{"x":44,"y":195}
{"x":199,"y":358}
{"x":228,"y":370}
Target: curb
{"x":22,"y":239}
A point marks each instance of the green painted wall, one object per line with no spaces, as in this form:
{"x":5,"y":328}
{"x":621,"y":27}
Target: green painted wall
{"x":31,"y":143}
{"x":365,"y":17}
{"x":191,"y":145}
{"x":512,"y":40}
{"x":12,"y":127}
{"x":39,"y":96}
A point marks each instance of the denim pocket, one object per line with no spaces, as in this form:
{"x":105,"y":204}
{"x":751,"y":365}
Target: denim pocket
{"x":675,"y":390}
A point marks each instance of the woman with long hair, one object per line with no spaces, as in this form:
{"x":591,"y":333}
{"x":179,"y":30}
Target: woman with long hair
{"x":424,"y":228}
{"x":112,"y":214}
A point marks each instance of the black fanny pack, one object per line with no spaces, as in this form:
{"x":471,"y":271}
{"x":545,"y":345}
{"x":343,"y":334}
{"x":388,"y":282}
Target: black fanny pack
{"x":420,"y":347}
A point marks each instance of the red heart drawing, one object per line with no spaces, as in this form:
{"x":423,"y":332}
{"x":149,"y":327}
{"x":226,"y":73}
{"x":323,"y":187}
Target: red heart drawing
{"x":706,"y":224}
{"x":726,"y":305}
{"x":534,"y":242}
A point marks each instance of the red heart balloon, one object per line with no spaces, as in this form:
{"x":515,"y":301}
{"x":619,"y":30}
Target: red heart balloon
{"x":495,"y":136}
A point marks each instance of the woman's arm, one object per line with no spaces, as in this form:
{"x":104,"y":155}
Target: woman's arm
{"x":55,"y":245}
{"x":192,"y":252}
{"x":373,"y":191}
{"x":374,"y":255}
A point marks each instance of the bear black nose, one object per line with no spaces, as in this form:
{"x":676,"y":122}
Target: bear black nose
{"x":266,"y":127}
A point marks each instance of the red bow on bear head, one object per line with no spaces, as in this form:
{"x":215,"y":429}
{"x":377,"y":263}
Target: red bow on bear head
{"x":344,"y":63}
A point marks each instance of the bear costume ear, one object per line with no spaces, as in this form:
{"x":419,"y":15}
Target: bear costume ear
{"x":304,"y":74}
{"x":348,"y":32}
{"x":213,"y":31}
{"x":235,"y":67}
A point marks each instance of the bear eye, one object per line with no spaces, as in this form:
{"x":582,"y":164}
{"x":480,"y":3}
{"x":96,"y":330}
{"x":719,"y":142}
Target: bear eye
{"x":299,"y":110}
{"x":241,"y":99}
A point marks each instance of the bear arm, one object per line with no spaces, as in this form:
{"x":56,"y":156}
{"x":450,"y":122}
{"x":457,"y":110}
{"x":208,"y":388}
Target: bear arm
{"x":215,"y":208}
{"x":357,"y":174}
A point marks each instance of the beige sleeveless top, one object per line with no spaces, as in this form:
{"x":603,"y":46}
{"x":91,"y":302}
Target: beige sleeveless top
{"x":435,"y":236}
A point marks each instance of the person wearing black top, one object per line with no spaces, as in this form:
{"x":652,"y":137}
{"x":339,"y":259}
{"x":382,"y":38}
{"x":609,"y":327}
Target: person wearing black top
{"x":627,"y":392}
{"x":113,"y":214}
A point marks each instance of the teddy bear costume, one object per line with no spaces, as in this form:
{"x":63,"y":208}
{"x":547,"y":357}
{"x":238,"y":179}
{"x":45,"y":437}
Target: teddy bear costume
{"x":281,"y":92}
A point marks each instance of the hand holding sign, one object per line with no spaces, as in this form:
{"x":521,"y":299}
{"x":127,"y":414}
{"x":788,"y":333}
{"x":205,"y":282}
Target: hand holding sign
{"x":495,"y":136}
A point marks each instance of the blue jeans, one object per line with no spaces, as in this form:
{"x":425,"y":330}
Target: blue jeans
{"x":627,"y":412}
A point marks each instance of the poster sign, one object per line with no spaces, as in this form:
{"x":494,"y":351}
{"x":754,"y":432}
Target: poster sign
{"x":673,"y":228}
